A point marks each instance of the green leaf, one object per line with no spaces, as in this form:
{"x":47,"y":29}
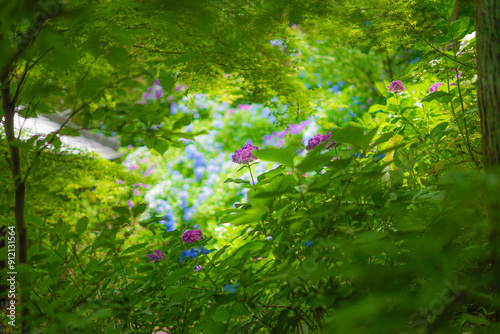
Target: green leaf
{"x":139,"y":209}
{"x":67,"y":131}
{"x":176,"y":275}
{"x":146,"y":267}
{"x":440,"y":96}
{"x":222,"y":314}
{"x":444,"y":8}
{"x":283,"y":156}
{"x":353,"y":135}
{"x":182,"y":122}
{"x":180,"y":60}
{"x":117,"y":56}
{"x":244,"y":216}
{"x":81,"y":225}
{"x":239,"y":309}
{"x":368,"y":237}
{"x":217,"y":327}
{"x":272,"y":173}
{"x":122,"y":210}
{"x":382,"y":139}
{"x":134,"y":248}
{"x":438,"y":131}
{"x":312,"y":161}
{"x":149,"y":141}
{"x":19,"y":143}
{"x":459,"y":26}
{"x":56,"y":142}
{"x":230,"y":180}
{"x":251,"y":246}
{"x":167,"y":81}
{"x":161,"y":145}
{"x":219,"y":253}
{"x":377,"y":107}
{"x":25,"y":274}
{"x":476,"y":320}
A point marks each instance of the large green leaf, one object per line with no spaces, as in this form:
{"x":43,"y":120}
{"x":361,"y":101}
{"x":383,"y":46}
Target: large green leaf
{"x":459,"y":26}
{"x":81,"y":225}
{"x":135,"y":248}
{"x":440,"y":96}
{"x":353,"y":135}
{"x":282,"y":156}
{"x":444,"y":8}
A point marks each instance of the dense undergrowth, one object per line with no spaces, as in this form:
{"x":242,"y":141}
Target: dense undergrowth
{"x":365,"y":211}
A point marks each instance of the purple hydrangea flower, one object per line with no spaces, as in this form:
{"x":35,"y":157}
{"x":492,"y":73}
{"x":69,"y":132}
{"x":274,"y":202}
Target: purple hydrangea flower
{"x":244,"y":155}
{"x":158,"y":255}
{"x":396,"y":87}
{"x":283,"y":133}
{"x":297,"y":128}
{"x":435,"y":87}
{"x":318,"y":139}
{"x":268,"y":137}
{"x":198,"y":267}
{"x":190,"y":236}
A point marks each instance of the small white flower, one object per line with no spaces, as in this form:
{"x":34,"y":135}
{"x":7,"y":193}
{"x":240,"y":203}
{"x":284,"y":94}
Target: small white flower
{"x":435,"y":62}
{"x":466,"y":40}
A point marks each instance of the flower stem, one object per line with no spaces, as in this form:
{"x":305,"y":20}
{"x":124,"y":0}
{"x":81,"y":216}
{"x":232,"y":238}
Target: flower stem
{"x":251,"y":175}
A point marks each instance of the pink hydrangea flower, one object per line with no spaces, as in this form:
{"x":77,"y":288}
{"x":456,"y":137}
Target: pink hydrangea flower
{"x":244,"y":155}
{"x":396,"y":87}
{"x":316,"y":140}
{"x":190,"y":236}
{"x":198,"y":267}
{"x":244,"y":106}
{"x":435,"y":87}
{"x":458,"y":75}
{"x":149,"y":170}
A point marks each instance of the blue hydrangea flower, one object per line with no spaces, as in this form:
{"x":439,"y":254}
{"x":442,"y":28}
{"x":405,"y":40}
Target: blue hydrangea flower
{"x":379,"y":157}
{"x":198,"y":173}
{"x":358,"y":155}
{"x":169,"y":224}
{"x":230,"y":288}
{"x":204,"y":251}
{"x":192,"y":253}
{"x":308,"y":243}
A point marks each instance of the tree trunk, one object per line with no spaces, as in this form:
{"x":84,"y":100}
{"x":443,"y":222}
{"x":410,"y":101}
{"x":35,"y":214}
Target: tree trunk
{"x":487,"y":17}
{"x":8,"y":107}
